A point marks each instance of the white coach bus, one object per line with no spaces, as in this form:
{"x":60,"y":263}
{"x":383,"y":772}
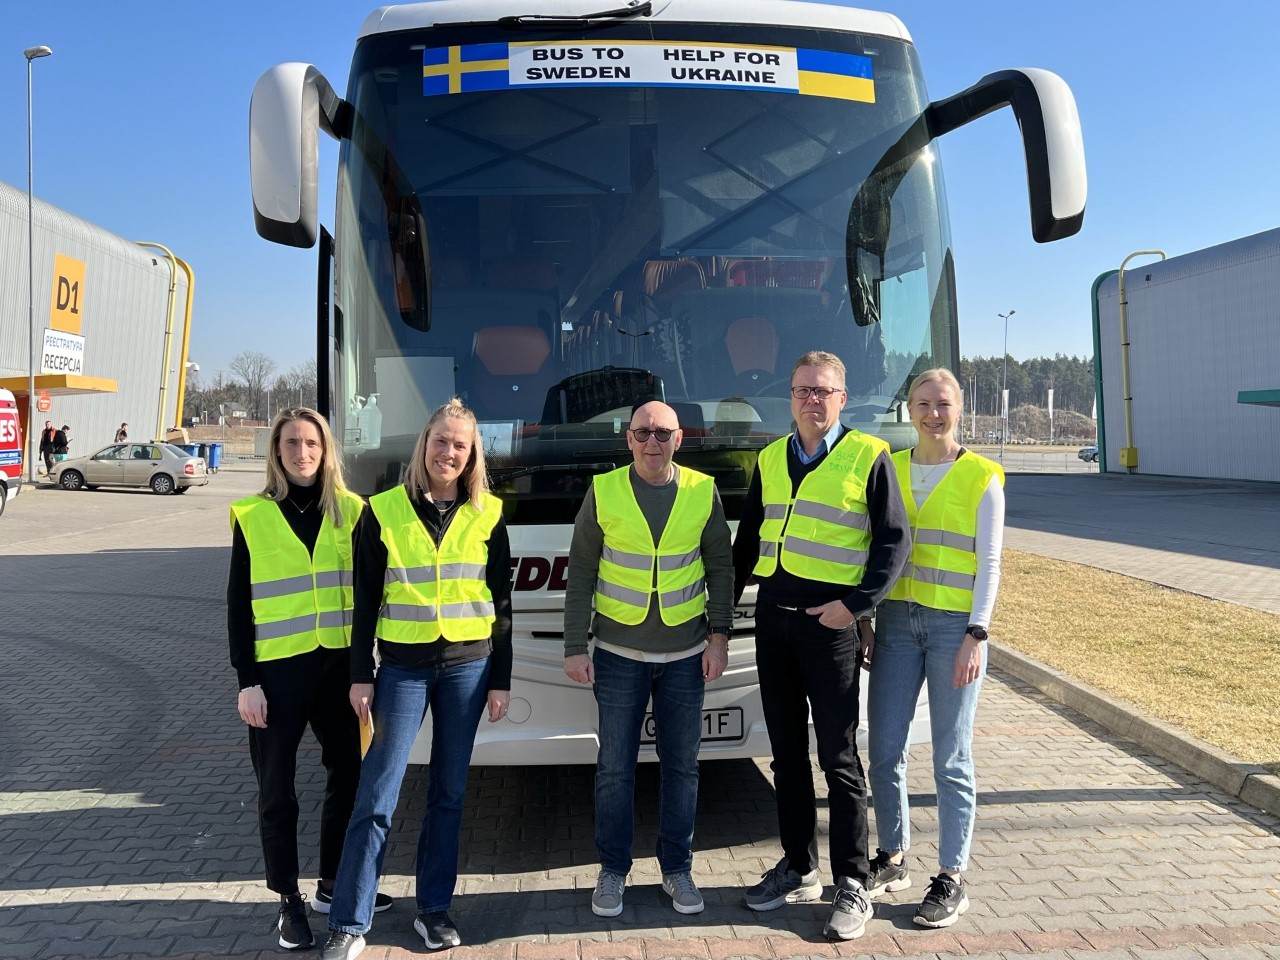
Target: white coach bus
{"x":556,"y":215}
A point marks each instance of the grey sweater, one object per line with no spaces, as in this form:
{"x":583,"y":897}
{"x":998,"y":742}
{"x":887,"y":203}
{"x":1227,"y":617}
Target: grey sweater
{"x":652,"y":636}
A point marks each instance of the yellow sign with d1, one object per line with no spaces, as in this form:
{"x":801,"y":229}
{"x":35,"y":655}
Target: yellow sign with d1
{"x":68,"y":294}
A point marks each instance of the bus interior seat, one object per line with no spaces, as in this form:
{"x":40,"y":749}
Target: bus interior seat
{"x":720,"y":357}
{"x":798,"y":274}
{"x":509,"y":367}
{"x":664,"y":280}
{"x":752,"y":344}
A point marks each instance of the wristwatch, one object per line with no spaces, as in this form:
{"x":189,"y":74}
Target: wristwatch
{"x":978,"y":633}
{"x":727,"y":631}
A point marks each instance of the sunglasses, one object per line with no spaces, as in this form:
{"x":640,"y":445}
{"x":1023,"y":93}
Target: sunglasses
{"x":642,"y":435}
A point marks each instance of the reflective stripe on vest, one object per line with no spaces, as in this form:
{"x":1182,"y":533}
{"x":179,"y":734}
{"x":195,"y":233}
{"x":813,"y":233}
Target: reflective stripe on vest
{"x":944,"y":562}
{"x":824,"y":533}
{"x":632,"y":569}
{"x":301,"y":599}
{"x":428,"y":593}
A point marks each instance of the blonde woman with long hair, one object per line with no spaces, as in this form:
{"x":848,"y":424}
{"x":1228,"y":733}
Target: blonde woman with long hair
{"x":289,"y":599}
{"x":932,"y":630}
{"x":433,"y":593}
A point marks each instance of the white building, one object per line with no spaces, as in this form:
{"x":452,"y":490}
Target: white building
{"x":1204,"y":363}
{"x":115,"y":313}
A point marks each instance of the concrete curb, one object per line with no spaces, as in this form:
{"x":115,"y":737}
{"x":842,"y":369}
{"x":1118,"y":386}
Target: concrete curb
{"x":1251,"y":783}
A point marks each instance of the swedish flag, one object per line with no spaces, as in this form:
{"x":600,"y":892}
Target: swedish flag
{"x":466,"y":69}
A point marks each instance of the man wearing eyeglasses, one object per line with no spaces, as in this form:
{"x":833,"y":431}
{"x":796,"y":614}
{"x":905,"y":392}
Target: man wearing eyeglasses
{"x":651,"y":551}
{"x":825,"y":534}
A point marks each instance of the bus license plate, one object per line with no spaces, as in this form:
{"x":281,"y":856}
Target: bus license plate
{"x":722,"y":724}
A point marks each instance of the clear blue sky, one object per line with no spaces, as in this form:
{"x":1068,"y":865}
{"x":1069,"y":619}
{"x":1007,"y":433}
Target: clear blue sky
{"x":142,"y":113}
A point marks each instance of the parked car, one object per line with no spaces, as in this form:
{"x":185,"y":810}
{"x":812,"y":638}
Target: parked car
{"x":161,"y":466}
{"x":1089,"y":454}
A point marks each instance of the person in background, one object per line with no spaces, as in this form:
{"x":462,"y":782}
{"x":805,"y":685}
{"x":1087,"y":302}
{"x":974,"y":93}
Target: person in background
{"x":122,"y":435}
{"x":932,"y":630}
{"x":289,"y":627}
{"x":651,"y":549}
{"x":46,"y":446}
{"x":433,"y":589}
{"x":61,"y":443}
{"x":824,"y":534}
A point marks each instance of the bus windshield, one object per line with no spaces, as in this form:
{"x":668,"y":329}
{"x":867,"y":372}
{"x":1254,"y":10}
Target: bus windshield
{"x":556,"y":254}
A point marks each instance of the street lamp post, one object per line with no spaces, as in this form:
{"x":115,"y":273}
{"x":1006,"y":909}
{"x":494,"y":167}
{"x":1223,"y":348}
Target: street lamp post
{"x":31,"y":53}
{"x":1004,"y":383}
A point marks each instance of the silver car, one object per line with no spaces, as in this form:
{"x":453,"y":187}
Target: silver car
{"x":161,"y":466}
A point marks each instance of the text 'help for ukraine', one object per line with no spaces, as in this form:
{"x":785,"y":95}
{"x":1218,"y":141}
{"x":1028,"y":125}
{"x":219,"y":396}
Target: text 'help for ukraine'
{"x":497,"y":66}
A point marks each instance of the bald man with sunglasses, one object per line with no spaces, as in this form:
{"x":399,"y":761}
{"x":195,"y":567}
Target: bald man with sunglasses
{"x":651,"y":554}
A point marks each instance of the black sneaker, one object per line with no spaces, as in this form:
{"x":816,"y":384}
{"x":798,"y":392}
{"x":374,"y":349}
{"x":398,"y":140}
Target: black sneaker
{"x":437,"y":930}
{"x":323,"y":901}
{"x":886,"y":876}
{"x":342,"y":946}
{"x":943,"y":903}
{"x":850,"y":911}
{"x":295,"y":932}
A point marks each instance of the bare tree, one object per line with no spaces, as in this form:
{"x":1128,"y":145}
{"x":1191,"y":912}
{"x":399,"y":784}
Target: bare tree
{"x":254,"y":370}
{"x":301,"y":381}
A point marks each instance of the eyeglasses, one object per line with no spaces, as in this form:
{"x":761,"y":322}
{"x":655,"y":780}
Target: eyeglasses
{"x":822,"y":393}
{"x":642,"y":435}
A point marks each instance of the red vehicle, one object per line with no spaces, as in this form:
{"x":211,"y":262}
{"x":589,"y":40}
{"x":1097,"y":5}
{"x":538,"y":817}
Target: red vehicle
{"x":10,"y":449}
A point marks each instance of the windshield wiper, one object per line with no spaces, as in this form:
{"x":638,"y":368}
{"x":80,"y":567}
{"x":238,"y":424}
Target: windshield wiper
{"x":510,"y":473}
{"x":540,"y":21}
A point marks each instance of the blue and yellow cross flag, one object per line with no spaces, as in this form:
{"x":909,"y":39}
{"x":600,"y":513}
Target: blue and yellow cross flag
{"x":477,"y":67}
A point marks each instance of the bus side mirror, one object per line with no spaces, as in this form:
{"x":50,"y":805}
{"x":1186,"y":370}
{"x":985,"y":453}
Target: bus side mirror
{"x":1045,"y":109}
{"x":291,"y":103}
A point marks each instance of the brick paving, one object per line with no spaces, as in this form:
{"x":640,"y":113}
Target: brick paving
{"x":127,"y":823}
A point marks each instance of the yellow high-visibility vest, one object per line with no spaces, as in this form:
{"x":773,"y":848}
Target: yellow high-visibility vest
{"x":625,"y":583}
{"x":430,"y":593}
{"x":825,"y":532}
{"x":301,"y":600}
{"x":944,"y":559}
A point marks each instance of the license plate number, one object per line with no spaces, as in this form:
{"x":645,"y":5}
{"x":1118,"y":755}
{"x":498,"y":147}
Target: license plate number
{"x":722,"y":724}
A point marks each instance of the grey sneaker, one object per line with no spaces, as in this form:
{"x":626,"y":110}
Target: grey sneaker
{"x":606,"y":900}
{"x":683,"y":892}
{"x":850,"y":911}
{"x":780,"y":884}
{"x":887,"y":876}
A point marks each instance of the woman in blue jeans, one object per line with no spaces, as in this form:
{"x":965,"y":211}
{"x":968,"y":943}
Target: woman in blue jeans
{"x":932,"y":630}
{"x":433,"y":569}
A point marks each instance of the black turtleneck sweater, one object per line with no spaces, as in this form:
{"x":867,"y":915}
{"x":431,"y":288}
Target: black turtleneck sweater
{"x":301,"y":510}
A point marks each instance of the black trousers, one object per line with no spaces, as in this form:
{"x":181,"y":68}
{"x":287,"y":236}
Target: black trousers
{"x":807,"y":668}
{"x":311,"y":688}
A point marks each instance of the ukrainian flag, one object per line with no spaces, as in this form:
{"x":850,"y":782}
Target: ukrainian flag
{"x":466,"y":69}
{"x":843,"y":76}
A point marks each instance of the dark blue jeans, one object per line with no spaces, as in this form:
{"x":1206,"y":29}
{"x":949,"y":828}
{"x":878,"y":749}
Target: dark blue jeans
{"x":456,"y":695}
{"x":623,"y":688}
{"x":806,"y":668}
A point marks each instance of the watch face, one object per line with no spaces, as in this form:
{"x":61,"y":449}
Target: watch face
{"x":978,"y":633}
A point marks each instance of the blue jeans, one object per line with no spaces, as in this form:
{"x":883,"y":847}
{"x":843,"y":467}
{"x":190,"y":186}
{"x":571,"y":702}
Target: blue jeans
{"x":456,"y":695}
{"x":622,"y":690}
{"x":916,"y":645}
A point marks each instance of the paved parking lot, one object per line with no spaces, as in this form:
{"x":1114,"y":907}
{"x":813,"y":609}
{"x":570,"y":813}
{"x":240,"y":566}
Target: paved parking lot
{"x":127,"y":821}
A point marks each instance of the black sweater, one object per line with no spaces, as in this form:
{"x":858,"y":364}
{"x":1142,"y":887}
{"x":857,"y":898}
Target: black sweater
{"x":371,"y":569}
{"x":889,"y":552}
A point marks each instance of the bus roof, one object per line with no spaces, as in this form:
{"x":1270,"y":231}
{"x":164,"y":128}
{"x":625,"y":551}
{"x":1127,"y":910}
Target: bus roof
{"x":827,"y":16}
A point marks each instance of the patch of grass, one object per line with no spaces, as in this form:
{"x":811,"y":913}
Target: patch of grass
{"x":1208,"y":667}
